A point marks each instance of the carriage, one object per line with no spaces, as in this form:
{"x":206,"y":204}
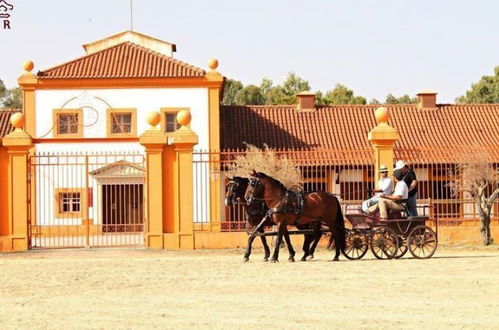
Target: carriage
{"x":390,"y":238}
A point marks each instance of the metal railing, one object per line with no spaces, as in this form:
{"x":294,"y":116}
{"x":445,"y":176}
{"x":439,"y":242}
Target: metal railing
{"x":347,"y":174}
{"x":86,"y":199}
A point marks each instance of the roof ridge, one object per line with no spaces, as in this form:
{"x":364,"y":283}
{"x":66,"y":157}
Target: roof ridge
{"x":131,"y":44}
{"x":80,"y":58}
{"x":169,"y":58}
{"x":10,"y":110}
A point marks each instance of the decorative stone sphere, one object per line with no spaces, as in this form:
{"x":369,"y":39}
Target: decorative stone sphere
{"x":382,"y":115}
{"x":17,"y":120}
{"x":28,"y":65}
{"x":184,"y":117}
{"x":213,"y":64}
{"x":153,"y":118}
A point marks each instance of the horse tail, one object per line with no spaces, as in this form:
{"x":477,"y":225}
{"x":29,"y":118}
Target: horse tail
{"x":331,"y":241}
{"x":340,"y":226}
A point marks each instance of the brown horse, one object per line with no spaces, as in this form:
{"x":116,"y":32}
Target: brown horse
{"x":288,"y":208}
{"x":255,"y":212}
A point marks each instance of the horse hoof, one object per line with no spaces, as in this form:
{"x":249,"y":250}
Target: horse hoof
{"x":291,"y":259}
{"x":274,"y":261}
{"x":265,"y":259}
{"x":246,"y":259}
{"x":310,"y":257}
{"x":336,"y":259}
{"x":303,"y":258}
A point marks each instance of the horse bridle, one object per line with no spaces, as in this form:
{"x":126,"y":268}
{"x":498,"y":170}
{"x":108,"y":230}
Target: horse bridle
{"x":232,"y":186}
{"x":253,"y":182}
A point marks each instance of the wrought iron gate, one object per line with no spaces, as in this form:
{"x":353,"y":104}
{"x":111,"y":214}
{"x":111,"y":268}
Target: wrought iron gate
{"x":86,"y":200}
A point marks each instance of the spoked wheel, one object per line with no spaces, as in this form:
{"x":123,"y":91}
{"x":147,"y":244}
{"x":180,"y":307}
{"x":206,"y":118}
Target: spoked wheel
{"x":402,"y":248}
{"x":422,"y":242}
{"x":356,"y":245}
{"x":384,"y":243}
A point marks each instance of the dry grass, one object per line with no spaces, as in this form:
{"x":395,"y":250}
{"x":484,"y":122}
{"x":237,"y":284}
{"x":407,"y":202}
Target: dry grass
{"x":267,"y":161}
{"x":214,"y":289}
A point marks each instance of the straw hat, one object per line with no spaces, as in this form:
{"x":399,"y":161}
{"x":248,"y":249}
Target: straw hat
{"x":383,"y":169}
{"x":400,"y":164}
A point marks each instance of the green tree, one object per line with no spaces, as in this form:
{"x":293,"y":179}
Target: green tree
{"x":285,"y":93}
{"x":250,"y":94}
{"x":3,"y":90}
{"x":374,"y":101}
{"x":404,"y":99}
{"x":486,"y":90}
{"x":10,"y":98}
{"x":14,"y":98}
{"x":341,"y":94}
{"x":231,"y":88}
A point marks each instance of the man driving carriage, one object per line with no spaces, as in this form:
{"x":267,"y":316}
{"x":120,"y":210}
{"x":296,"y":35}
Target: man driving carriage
{"x":385,"y":186}
{"x":392,"y":201}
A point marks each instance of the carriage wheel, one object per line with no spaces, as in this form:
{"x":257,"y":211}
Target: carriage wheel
{"x":402,"y":248}
{"x":422,"y":242}
{"x":356,"y":245}
{"x":384,"y":243}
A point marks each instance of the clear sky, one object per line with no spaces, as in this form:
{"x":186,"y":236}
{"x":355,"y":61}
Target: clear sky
{"x":375,"y":47}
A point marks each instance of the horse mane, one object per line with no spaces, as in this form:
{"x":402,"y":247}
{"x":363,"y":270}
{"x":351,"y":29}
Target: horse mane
{"x":275,"y":181}
{"x":240,"y":179}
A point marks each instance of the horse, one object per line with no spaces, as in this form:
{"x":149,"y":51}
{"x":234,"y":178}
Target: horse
{"x":255,"y":212}
{"x":288,"y":208}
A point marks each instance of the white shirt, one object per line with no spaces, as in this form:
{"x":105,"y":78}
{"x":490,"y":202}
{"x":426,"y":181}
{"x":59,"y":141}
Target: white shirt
{"x":401,"y":190}
{"x":386,"y":184}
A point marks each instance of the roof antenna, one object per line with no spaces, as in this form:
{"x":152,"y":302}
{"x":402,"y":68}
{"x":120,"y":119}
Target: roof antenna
{"x":131,"y":15}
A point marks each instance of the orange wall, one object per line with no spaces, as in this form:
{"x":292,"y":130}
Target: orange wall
{"x":168,"y":189}
{"x":4,"y":160}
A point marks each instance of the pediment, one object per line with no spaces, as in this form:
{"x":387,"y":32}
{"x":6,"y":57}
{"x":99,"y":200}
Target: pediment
{"x":119,"y":169}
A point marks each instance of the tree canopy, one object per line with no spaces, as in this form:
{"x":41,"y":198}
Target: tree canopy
{"x":486,"y":90}
{"x":267,"y":93}
{"x":10,"y":98}
{"x":340,"y":94}
{"x":404,"y":99}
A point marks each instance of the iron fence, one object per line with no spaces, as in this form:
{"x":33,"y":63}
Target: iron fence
{"x":347,"y":174}
{"x":86,"y":199}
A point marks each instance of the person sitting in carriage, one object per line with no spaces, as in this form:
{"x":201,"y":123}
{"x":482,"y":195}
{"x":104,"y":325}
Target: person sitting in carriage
{"x":385,"y":186}
{"x":393,"y":201}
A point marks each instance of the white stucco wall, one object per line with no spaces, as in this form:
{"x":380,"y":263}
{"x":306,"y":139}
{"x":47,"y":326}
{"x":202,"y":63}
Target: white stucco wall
{"x":144,"y":100}
{"x":94,"y":122}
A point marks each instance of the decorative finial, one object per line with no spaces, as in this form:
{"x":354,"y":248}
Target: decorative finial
{"x":17,"y":120}
{"x":213,"y":64}
{"x":28,"y":66}
{"x":382,"y":115}
{"x":153,"y":118}
{"x":184,"y":117}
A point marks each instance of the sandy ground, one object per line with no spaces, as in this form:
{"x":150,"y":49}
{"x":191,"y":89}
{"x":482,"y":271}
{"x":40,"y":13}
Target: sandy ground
{"x":71,"y":289}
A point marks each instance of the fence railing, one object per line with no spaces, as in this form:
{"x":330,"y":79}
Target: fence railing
{"x":347,"y":174}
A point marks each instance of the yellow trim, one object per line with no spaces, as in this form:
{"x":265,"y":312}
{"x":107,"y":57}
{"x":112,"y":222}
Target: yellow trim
{"x":169,"y":110}
{"x":111,"y":111}
{"x":77,"y":83}
{"x":83,"y":203}
{"x":57,"y":112}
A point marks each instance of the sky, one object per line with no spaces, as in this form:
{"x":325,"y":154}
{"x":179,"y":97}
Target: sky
{"x":374,"y":47}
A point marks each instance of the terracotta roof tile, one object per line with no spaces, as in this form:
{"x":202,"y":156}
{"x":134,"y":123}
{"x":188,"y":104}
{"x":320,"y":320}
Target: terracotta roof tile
{"x":5,"y":126}
{"x":345,"y":127}
{"x":126,"y":60}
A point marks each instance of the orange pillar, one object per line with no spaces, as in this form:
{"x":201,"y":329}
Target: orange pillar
{"x":183,"y":140}
{"x":18,"y":144}
{"x":214,"y":94}
{"x":28,"y":82}
{"x":154,"y":140}
{"x":383,"y":138}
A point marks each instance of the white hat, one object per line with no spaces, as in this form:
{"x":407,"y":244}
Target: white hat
{"x":383,"y":168}
{"x":400,"y":164}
